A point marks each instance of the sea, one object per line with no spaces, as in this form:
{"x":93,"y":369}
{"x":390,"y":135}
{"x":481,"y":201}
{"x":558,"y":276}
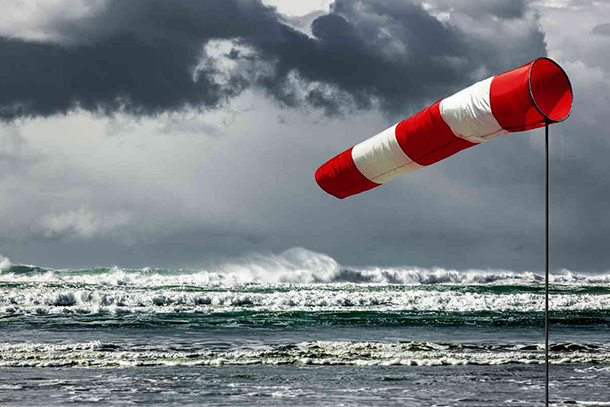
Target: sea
{"x":299,"y":329}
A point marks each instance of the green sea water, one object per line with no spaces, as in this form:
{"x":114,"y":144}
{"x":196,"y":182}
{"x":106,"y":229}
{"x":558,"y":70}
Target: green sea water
{"x":305,"y":332}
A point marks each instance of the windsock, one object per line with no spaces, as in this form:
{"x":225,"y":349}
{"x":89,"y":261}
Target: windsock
{"x":522,"y":99}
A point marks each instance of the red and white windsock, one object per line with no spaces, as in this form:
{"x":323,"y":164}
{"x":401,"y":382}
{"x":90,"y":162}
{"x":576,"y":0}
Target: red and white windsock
{"x":522,"y":99}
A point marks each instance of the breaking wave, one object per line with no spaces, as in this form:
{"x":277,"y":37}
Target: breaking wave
{"x":294,"y":266}
{"x":46,"y":300}
{"x":320,"y":353}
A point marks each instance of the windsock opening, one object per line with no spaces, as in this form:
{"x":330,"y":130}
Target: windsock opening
{"x":550,"y":89}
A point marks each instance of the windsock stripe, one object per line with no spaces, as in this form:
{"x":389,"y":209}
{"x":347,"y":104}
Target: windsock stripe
{"x":340,"y":177}
{"x":426,"y":138}
{"x":381,"y":158}
{"x":468,"y":113}
{"x":511,"y":101}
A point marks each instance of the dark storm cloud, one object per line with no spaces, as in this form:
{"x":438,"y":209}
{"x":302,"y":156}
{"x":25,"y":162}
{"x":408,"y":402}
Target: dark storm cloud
{"x":121,"y":71}
{"x":135,"y":55}
{"x":396,"y":53}
{"x":384,"y":51}
{"x":147,"y":57}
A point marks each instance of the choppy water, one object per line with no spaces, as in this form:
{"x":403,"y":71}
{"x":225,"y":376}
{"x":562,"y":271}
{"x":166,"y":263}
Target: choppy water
{"x":299,"y":329}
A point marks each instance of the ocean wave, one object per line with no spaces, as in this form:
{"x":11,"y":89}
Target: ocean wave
{"x":52,"y":300}
{"x":319,"y":353}
{"x":295,"y":266}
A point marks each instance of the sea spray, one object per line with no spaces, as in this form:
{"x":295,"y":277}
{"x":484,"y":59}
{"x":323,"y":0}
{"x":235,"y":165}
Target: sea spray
{"x":295,"y":266}
{"x":5,"y":263}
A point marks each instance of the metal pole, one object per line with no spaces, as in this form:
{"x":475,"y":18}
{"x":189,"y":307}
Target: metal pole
{"x":546,"y":275}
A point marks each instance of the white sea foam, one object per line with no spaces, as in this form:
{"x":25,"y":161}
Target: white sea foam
{"x":51,"y":300}
{"x":306,"y":353}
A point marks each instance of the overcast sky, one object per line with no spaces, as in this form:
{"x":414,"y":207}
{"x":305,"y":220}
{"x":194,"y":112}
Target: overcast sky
{"x":176,"y":134}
